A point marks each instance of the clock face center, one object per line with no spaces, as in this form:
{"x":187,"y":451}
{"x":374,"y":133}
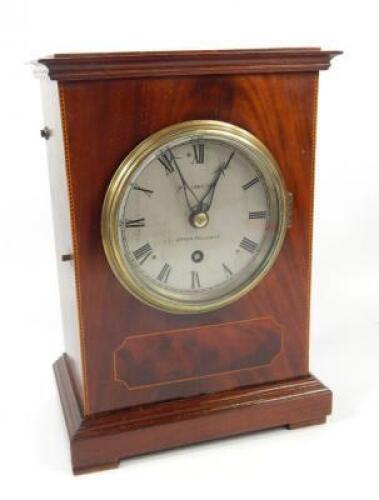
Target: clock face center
{"x":199,"y":220}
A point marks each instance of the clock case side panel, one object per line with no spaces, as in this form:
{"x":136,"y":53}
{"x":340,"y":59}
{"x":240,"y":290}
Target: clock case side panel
{"x":316,"y":80}
{"x":65,"y":251}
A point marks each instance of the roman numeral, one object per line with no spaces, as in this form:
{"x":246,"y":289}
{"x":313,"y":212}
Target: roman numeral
{"x":250,"y":183}
{"x":248,"y":245}
{"x":167,"y":159}
{"x":148,"y":192}
{"x":143,"y":253}
{"x":228,"y":272}
{"x":134,"y":223}
{"x":164,"y":273}
{"x":198,"y":153}
{"x":195,"y":280}
{"x":257,"y":215}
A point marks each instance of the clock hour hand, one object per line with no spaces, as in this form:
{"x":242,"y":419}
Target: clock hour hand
{"x":186,"y":188}
{"x":168,"y":160}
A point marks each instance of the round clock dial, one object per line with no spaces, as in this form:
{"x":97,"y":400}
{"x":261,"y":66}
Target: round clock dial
{"x":194,"y":217}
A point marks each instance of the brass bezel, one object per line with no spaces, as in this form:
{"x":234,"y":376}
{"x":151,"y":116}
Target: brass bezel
{"x":132,"y":162}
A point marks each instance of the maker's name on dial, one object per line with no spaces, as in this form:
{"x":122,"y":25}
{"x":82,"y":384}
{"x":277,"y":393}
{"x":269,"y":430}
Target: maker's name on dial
{"x":197,"y":238}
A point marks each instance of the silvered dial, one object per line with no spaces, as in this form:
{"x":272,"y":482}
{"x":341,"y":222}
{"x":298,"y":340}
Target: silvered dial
{"x":197,"y":220}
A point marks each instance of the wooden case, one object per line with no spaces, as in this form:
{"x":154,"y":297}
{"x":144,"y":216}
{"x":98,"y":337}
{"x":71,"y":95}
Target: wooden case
{"x":135,"y":379}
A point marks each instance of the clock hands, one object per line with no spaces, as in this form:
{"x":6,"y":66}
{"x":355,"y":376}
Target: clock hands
{"x":173,"y":164}
{"x":199,"y":210}
{"x":199,"y":217}
{"x":187,"y":190}
{"x":202,"y":206}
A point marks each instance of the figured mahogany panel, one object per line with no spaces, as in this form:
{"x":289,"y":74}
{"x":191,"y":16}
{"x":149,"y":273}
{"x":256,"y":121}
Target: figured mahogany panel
{"x":181,"y":355}
{"x":103,"y":120}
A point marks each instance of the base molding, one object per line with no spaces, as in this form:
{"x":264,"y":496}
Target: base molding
{"x":99,"y":442}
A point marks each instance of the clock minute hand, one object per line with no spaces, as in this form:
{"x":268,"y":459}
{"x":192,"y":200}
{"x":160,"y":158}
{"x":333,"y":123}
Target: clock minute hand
{"x":212,"y":187}
{"x":204,"y":207}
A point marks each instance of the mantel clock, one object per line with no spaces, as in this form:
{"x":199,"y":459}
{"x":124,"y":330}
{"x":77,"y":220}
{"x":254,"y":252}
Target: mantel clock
{"x":182,"y":187}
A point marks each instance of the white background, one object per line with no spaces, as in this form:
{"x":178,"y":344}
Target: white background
{"x":339,"y":459}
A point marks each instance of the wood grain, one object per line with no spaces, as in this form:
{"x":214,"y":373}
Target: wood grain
{"x":194,"y":353}
{"x":74,"y":67}
{"x":100,"y":442}
{"x":63,"y":217}
{"x":121,"y":396}
{"x":279,"y":110}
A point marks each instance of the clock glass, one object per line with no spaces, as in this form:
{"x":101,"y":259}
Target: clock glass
{"x":194,"y":217}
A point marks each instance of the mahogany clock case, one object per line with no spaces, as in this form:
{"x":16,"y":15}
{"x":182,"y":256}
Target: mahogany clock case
{"x":131,"y":374}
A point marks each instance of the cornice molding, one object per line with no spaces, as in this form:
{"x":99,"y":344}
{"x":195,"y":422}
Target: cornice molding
{"x":103,"y":66}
